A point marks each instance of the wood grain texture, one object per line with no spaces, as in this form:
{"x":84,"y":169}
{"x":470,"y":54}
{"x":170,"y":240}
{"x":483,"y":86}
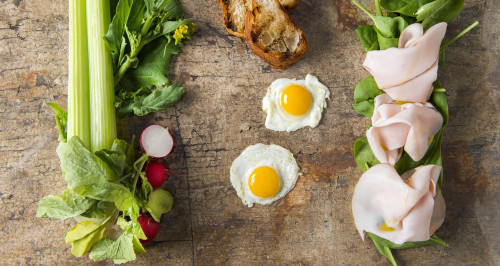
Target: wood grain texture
{"x":221,"y":115}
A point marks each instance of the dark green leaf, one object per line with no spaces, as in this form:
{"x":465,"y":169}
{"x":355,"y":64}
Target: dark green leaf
{"x":384,"y":246}
{"x":404,"y":7}
{"x":439,"y":11}
{"x":364,"y":95}
{"x":390,"y":27}
{"x":156,"y":101}
{"x":363,"y":154}
{"x":368,"y":37}
{"x":114,"y":37}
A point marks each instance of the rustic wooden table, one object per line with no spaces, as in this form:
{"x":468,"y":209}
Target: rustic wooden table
{"x":221,"y":115}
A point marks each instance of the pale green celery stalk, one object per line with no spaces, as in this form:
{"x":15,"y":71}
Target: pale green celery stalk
{"x":78,"y":78}
{"x":102,"y":93}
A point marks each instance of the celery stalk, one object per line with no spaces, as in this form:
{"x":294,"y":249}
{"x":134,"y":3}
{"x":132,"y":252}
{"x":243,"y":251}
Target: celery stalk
{"x":102,"y":93}
{"x":78,"y":78}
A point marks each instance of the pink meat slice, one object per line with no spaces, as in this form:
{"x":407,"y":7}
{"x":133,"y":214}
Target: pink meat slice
{"x":399,"y":209}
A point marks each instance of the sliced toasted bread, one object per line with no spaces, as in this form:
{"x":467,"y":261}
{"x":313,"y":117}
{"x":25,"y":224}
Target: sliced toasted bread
{"x":272,"y":35}
{"x":234,"y":12}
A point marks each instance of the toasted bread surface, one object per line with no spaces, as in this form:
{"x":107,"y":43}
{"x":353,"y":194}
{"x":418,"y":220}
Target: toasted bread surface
{"x":234,"y":12}
{"x":272,"y":35}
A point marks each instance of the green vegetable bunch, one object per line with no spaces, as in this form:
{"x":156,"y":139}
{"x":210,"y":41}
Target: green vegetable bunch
{"x":119,"y":64}
{"x":142,"y":37}
{"x":390,"y":19}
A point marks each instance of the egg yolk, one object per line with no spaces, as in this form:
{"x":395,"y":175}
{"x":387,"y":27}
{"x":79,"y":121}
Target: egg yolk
{"x":295,"y":100}
{"x":264,"y":182}
{"x":384,"y":227}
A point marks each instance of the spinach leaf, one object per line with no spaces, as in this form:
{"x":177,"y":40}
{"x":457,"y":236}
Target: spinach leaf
{"x":364,"y":95}
{"x":368,"y":37}
{"x":439,"y":11}
{"x":363,"y":154}
{"x":114,"y":37}
{"x":390,"y":27}
{"x":120,"y":250}
{"x":61,"y":121}
{"x":404,"y":7}
{"x":384,"y":246}
{"x":160,"y":202}
{"x":68,"y":205}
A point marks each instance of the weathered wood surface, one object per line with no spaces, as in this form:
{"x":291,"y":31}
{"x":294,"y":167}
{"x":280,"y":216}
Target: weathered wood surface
{"x":221,"y":115}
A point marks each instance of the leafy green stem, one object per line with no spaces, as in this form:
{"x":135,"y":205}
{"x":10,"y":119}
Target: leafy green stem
{"x":138,"y":165}
{"x":377,"y":8}
{"x":364,"y":9}
{"x":459,"y":35}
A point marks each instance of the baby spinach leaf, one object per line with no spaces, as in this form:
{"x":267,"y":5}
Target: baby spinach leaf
{"x":363,"y":154}
{"x":384,"y":246}
{"x":439,"y":11}
{"x":120,"y":250}
{"x":390,"y":27}
{"x":368,"y":37}
{"x":160,"y":202}
{"x":83,"y":235}
{"x":68,"y":205}
{"x":114,"y":37}
{"x":404,"y":7}
{"x":364,"y":95}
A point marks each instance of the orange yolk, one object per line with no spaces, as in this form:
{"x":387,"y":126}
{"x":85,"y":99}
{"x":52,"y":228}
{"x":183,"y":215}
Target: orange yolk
{"x":264,"y":182}
{"x":295,"y":100}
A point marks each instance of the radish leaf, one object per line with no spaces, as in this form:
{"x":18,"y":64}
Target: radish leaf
{"x":83,"y":235}
{"x":160,"y":202}
{"x":120,"y":250}
{"x":68,"y":205}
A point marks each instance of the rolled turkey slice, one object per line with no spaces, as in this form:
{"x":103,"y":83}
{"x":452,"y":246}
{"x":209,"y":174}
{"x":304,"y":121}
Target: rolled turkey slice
{"x":409,"y":70}
{"x":402,"y":125}
{"x":400,"y":209}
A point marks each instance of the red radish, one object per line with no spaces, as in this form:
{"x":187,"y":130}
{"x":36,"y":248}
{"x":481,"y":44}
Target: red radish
{"x":149,"y":226}
{"x":156,"y":174}
{"x":156,"y":141}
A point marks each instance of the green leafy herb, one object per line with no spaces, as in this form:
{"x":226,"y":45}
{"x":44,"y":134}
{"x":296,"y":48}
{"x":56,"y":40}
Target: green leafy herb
{"x":158,"y":28}
{"x":364,"y":95}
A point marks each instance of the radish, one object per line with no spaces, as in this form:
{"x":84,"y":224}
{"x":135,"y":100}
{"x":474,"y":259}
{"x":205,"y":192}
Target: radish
{"x":156,"y":174}
{"x":149,"y":226}
{"x":156,"y":141}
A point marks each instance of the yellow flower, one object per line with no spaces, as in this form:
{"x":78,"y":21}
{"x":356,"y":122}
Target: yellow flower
{"x":179,"y":32}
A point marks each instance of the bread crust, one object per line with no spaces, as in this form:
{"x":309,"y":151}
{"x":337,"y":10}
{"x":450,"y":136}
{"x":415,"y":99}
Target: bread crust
{"x":277,"y":59}
{"x":227,"y":16}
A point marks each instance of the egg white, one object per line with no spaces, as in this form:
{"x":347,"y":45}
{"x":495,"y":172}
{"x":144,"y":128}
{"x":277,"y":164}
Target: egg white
{"x":277,"y":157}
{"x":279,"y":120}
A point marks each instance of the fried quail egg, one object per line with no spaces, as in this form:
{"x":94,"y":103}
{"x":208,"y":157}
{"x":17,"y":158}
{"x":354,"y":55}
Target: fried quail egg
{"x":263,"y":174}
{"x":293,"y":104}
